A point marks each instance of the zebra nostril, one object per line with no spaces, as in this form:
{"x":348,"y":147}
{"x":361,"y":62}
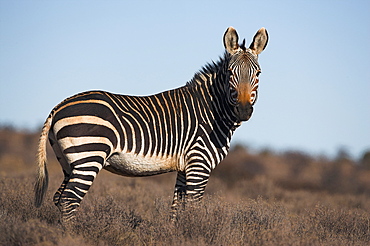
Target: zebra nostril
{"x":244,"y":111}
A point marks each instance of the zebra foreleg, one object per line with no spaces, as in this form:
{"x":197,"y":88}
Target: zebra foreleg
{"x":195,"y":187}
{"x":189,"y":188}
{"x":179,"y":194}
{"x":197,"y":176}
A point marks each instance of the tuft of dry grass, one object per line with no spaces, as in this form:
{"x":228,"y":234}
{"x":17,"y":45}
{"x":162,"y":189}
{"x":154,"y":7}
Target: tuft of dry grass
{"x":252,"y":199}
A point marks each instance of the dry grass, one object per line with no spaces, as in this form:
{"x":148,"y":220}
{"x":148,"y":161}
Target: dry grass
{"x":252,"y":199}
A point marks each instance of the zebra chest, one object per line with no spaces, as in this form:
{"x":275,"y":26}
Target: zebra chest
{"x":131,"y":164}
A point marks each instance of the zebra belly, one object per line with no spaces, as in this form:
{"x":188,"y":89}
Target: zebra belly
{"x":131,"y":164}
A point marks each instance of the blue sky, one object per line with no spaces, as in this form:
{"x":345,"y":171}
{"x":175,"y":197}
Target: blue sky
{"x":315,"y":81}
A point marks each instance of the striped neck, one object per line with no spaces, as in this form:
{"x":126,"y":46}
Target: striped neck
{"x":209,"y":85}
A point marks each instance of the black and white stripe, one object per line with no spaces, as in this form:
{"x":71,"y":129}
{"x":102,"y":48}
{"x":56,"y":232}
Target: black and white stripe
{"x":187,"y":130}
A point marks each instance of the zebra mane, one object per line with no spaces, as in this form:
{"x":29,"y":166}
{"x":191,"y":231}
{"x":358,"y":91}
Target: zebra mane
{"x":200,"y":77}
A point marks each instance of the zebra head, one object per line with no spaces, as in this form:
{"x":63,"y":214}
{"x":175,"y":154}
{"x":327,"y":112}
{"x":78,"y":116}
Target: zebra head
{"x":243,"y":71}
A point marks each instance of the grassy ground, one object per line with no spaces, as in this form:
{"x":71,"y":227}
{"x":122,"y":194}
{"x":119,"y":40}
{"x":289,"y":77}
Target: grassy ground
{"x":252,"y":199}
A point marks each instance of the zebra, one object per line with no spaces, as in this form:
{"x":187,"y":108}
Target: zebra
{"x":187,"y":130}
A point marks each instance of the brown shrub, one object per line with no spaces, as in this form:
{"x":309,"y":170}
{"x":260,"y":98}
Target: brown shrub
{"x":252,"y":199}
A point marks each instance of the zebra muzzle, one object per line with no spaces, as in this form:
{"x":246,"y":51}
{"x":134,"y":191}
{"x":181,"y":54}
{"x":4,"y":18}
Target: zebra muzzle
{"x":244,"y":111}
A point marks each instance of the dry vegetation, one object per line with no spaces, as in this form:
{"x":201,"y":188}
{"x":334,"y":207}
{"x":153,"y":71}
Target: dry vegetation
{"x":260,"y":198}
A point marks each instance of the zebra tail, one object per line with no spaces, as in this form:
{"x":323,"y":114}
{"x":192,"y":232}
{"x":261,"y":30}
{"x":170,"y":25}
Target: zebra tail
{"x":42,"y":178}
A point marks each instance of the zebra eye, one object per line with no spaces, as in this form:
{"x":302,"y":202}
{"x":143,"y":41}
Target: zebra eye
{"x":233,"y":94}
{"x":258,"y":73}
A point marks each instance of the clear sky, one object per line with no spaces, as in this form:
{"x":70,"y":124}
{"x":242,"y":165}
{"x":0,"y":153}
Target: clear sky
{"x":314,"y":92}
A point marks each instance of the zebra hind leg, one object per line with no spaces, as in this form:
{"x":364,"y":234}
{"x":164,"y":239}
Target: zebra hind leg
{"x":57,"y":195}
{"x":75,"y":188}
{"x":66,"y":169}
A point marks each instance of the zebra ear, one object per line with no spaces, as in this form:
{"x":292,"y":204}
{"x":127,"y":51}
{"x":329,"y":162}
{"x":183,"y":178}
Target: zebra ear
{"x":231,"y":40}
{"x":259,"y":41}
